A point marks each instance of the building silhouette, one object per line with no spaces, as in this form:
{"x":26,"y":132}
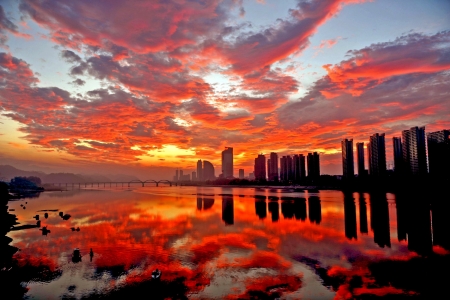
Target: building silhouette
{"x":261,"y":209}
{"x":315,"y":209}
{"x":414,"y":151}
{"x":208,"y":171}
{"x":360,"y":158}
{"x":200,"y":170}
{"x":260,"y":167}
{"x":227,"y":162}
{"x":241,"y":174}
{"x":272,"y":167}
{"x":283,"y":168}
{"x":299,"y":168}
{"x":347,"y":158}
{"x":313,"y":165}
{"x":350,"y":217}
{"x":289,"y":168}
{"x":274,"y":210}
{"x":228,"y":210}
{"x":362,"y":214}
{"x":439,"y":153}
{"x":398,"y":155}
{"x":194,"y":176}
{"x":377,"y":155}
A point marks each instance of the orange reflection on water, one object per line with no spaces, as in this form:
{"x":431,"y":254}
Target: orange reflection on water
{"x":210,"y":236}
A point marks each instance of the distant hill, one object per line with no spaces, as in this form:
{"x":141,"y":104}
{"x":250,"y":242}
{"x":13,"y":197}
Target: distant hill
{"x":8,"y":172}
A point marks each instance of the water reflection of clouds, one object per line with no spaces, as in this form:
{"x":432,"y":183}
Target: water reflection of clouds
{"x":137,"y":232}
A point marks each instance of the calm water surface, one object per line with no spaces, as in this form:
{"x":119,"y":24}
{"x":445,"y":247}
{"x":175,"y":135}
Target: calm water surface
{"x":222,"y":242}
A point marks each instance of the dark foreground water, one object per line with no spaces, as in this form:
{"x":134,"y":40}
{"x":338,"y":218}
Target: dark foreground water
{"x":232,"y":243}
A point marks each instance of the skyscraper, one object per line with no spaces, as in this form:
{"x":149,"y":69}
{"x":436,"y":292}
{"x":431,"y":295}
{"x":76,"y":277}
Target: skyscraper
{"x":241,"y":174}
{"x":439,"y":153}
{"x":360,"y":158}
{"x":227,"y":162}
{"x":296,"y":168}
{"x":377,"y":155}
{"x":289,"y":169}
{"x":414,"y":151}
{"x":199,"y":170}
{"x":283,"y":169}
{"x":260,"y":167}
{"x":208,"y":171}
{"x":347,"y":158}
{"x":302,"y":166}
{"x":273,"y":163}
{"x":398,"y":155}
{"x":313,"y":165}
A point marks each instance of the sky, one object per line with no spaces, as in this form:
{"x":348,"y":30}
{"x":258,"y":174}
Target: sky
{"x":145,"y":87}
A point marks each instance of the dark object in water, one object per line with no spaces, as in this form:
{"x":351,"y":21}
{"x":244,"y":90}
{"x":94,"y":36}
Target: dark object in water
{"x":36,"y":217}
{"x":76,"y":256}
{"x":75,"y":229}
{"x":61,"y":214}
{"x":66,"y":217}
{"x":46,"y":215}
{"x":156,"y":274}
{"x":91,"y":254}
{"x":24,"y":207}
{"x":45,"y":231}
{"x":38,"y":223}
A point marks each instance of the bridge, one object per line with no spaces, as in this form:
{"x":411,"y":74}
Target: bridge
{"x":114,"y":183}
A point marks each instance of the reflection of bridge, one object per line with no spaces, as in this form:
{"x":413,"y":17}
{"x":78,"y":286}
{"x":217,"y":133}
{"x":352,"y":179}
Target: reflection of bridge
{"x":116,"y":184}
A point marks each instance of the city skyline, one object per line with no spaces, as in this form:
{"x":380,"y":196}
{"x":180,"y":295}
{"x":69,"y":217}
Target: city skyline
{"x":87,"y":89}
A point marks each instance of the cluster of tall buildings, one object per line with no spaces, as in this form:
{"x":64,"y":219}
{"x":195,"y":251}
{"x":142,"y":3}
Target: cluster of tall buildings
{"x":288,"y":168}
{"x":410,"y":154}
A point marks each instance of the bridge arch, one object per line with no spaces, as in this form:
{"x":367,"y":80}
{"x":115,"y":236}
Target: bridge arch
{"x":149,"y":181}
{"x":135,"y":181}
{"x":165,"y":181}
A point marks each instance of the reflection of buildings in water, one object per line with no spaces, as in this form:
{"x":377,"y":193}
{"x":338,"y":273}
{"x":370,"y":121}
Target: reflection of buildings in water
{"x":402,"y":217}
{"x":300,"y":209}
{"x":199,"y":203}
{"x":414,"y":222}
{"x":204,"y":203}
{"x":228,"y":210}
{"x":287,"y":209}
{"x":261,"y":209}
{"x":441,"y":223}
{"x":379,"y":221}
{"x":362,"y":214}
{"x":350,"y":216}
{"x":274,"y":211}
{"x":315,"y":209}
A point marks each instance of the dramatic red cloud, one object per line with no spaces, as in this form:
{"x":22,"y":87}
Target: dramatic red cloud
{"x":414,"y":53}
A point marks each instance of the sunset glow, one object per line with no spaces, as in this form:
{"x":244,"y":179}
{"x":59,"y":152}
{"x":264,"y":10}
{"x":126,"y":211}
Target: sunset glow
{"x":145,"y":87}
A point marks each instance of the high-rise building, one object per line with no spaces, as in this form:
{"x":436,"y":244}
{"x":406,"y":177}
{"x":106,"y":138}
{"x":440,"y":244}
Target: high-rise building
{"x":360,"y":158}
{"x":227,"y":162}
{"x":313,"y":165}
{"x":273,"y":167}
{"x":302,"y":166}
{"x":439,"y":153}
{"x":199,"y":170}
{"x":398,"y":155}
{"x":377,"y":155}
{"x":194,"y":176}
{"x":208,"y":171}
{"x":260,"y":167}
{"x":347,"y":158}
{"x":241,"y":174}
{"x":414,"y":151}
{"x":283,"y":169}
{"x":296,"y":168}
{"x":289,"y":168}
